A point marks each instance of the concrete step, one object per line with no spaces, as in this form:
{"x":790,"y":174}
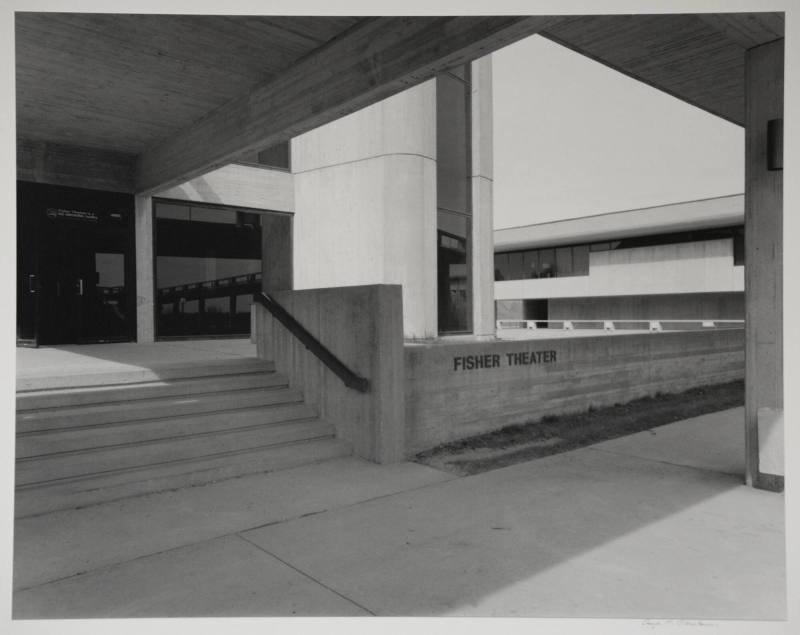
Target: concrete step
{"x":94,"y":461}
{"x":135,"y":374}
{"x":154,"y":408}
{"x":74,"y":439}
{"x":80,"y":492}
{"x":85,"y":395}
{"x":93,"y":438}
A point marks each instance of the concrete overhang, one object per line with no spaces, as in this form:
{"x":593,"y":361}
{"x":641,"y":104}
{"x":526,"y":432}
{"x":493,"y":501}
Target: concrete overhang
{"x":154,"y":100}
{"x":722,"y":211}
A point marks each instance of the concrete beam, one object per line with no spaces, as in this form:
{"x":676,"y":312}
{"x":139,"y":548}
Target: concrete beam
{"x":375,"y":59}
{"x":74,"y":166}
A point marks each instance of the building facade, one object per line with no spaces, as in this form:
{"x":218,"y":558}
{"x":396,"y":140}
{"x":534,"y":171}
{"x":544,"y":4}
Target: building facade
{"x":138,"y":221}
{"x":681,"y":262}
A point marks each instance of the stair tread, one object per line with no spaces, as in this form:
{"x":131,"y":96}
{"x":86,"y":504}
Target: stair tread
{"x":97,"y":437}
{"x":91,"y":395}
{"x":72,"y":493}
{"x":33,"y":425}
{"x":200,"y":401}
{"x":106,"y":435}
{"x":97,"y":460}
{"x":133,"y":374}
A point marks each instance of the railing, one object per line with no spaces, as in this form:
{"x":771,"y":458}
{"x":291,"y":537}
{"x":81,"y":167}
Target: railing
{"x":350,"y":379}
{"x":612,"y":325}
{"x":208,"y":289}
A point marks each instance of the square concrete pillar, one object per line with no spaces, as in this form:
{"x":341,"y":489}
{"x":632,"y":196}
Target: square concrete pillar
{"x":365,"y":203}
{"x":482,"y":210}
{"x":145,"y":283}
{"x":763,"y":271}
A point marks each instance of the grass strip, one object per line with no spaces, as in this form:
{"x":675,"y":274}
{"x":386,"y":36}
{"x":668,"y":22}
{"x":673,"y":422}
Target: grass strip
{"x":554,"y":434}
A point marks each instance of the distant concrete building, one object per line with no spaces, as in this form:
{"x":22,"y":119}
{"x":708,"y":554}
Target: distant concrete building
{"x":681,"y":261}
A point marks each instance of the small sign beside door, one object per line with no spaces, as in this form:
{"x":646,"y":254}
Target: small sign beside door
{"x":72,"y":214}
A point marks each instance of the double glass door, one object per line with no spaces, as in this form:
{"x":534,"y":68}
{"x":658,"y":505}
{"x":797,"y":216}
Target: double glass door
{"x":74,"y":270}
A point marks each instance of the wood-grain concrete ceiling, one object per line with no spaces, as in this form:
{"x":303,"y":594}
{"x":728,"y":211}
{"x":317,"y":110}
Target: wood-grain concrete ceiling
{"x":184,"y":94}
{"x":124,"y":82}
{"x":697,"y":58}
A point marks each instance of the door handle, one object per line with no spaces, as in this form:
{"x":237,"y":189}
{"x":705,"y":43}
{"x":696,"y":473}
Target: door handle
{"x":33,"y":286}
{"x":80,"y":286}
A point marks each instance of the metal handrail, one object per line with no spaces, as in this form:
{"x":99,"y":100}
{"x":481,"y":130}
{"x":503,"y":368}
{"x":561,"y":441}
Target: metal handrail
{"x":317,"y":348}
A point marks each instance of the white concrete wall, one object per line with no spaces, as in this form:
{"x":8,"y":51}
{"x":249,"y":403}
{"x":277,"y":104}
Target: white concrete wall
{"x":365,"y":203}
{"x":699,"y":267}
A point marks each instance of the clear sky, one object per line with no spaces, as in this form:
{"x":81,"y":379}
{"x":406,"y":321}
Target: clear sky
{"x":573,"y":137}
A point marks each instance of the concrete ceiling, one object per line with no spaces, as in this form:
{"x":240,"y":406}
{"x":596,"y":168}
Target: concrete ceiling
{"x":124,"y":82}
{"x":697,"y":58}
{"x":180,"y":95}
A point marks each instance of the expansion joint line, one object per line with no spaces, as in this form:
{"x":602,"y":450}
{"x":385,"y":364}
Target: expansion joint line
{"x":305,"y":574}
{"x":363,"y":159}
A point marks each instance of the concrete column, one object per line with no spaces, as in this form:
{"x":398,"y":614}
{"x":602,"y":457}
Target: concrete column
{"x":763,"y":272}
{"x":365,"y":203}
{"x":145,"y":284}
{"x":482,"y":212}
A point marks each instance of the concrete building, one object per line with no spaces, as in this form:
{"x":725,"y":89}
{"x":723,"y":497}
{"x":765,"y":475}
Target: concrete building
{"x":671,"y":262}
{"x":157,"y":193}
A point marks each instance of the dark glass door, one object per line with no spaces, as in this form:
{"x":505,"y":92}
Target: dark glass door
{"x":29,"y":310}
{"x":76,"y":275}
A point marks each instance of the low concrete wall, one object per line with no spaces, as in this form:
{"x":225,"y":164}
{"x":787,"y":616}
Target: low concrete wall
{"x":457,"y":388}
{"x":363,"y":327}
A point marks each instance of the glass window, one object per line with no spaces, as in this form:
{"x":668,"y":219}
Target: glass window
{"x":452,"y":144}
{"x":580,"y":260}
{"x":453,"y":187}
{"x":501,"y":267}
{"x":530,"y":264}
{"x":563,"y":261}
{"x":738,"y":246}
{"x":516,"y":266}
{"x":547,"y":263}
{"x":206,"y":265}
{"x":453,"y":279}
{"x":211,"y":215}
{"x":178,"y":212}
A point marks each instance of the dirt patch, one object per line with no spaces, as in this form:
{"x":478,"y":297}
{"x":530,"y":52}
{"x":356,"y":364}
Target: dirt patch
{"x":554,"y":434}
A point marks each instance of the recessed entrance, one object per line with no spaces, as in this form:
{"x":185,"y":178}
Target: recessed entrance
{"x":75,"y":266}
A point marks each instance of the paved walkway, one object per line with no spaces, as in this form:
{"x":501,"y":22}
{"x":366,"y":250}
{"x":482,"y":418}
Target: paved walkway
{"x":655,"y":525}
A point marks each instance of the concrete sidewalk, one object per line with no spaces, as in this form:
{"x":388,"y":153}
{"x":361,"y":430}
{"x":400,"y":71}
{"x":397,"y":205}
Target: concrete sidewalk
{"x":655,"y":525}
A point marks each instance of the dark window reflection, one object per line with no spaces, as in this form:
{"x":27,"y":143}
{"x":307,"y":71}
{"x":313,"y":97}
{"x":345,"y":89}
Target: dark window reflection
{"x":573,"y":260}
{"x":454,"y":224}
{"x":453,"y":279}
{"x":208,"y":264}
